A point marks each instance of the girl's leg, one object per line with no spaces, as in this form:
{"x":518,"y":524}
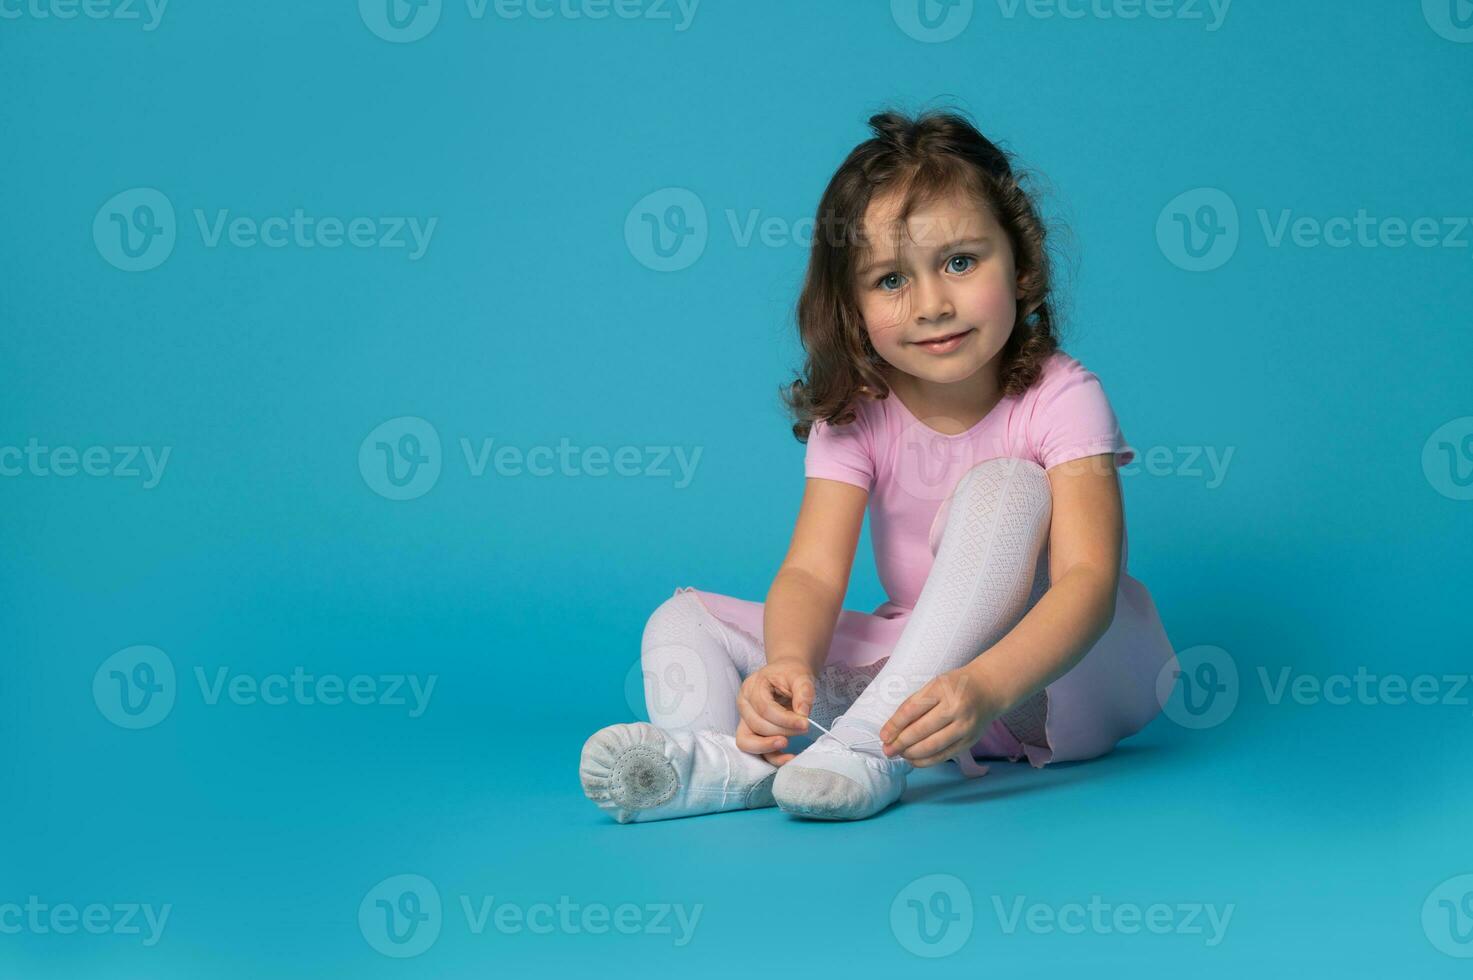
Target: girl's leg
{"x":685,"y":761}
{"x":978,"y":588}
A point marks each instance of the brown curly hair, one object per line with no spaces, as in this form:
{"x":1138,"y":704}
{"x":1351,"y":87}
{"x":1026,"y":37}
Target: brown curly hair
{"x":923,"y":156}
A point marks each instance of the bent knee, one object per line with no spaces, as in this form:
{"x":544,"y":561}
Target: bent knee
{"x":1016,"y":475}
{"x":681,"y":619}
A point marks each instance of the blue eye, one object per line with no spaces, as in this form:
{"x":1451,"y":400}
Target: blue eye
{"x":967,"y":258}
{"x":881,"y":283}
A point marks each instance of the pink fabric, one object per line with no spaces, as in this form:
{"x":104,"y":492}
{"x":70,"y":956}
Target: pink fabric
{"x":910,"y":468}
{"x":910,"y":471}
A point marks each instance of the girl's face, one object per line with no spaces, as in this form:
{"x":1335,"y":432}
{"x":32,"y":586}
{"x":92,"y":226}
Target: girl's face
{"x":954,"y":279}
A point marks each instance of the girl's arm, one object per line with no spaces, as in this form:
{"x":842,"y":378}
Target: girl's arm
{"x":807,"y":592}
{"x":799,"y":616}
{"x":1085,"y":531}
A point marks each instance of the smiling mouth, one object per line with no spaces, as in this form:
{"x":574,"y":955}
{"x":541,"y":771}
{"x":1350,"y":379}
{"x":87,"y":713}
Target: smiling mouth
{"x":941,"y":341}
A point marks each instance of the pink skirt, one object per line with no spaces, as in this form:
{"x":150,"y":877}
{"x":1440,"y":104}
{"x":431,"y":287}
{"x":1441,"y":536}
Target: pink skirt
{"x":1109,"y":695}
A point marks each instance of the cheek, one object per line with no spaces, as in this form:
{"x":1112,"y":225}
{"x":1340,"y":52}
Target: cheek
{"x":882,"y":321}
{"x":993,"y":301}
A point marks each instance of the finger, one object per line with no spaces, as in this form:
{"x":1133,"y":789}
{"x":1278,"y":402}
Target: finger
{"x":923,"y":727}
{"x":753,"y":694}
{"x":753,"y":744}
{"x":781,"y":720}
{"x":758,"y":725}
{"x":957,"y":747}
{"x":925,"y":748}
{"x":910,"y":709}
{"x":780,"y":758}
{"x":803,"y":695}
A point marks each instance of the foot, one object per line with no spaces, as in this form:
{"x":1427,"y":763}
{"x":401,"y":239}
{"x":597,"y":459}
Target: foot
{"x":637,"y":772}
{"x":843,"y":775}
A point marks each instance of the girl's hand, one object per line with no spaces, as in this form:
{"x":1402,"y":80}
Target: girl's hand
{"x":941,"y":720}
{"x":774,"y":703}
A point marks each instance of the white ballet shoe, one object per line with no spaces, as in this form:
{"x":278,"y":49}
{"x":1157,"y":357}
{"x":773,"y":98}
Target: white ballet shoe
{"x":637,"y":772}
{"x":843,"y":775}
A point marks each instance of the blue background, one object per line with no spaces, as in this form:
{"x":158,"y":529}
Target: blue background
{"x":1325,"y":548}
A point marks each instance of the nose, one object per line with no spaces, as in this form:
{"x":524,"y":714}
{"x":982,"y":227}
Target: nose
{"x":931,"y":299}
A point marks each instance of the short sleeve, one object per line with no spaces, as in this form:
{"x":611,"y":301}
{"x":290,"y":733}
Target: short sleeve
{"x":1073,"y":417}
{"x":841,"y":452}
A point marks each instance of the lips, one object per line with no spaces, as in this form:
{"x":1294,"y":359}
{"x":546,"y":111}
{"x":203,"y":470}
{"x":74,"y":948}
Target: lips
{"x":944,"y":337}
{"x":946,"y":343}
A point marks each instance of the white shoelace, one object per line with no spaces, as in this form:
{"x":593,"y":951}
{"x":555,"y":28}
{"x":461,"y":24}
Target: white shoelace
{"x":970,"y":767}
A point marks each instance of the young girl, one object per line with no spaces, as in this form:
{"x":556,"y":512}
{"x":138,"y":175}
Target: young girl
{"x":934,"y":392}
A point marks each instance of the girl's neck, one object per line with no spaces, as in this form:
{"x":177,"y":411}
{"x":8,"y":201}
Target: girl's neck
{"x":958,"y":405}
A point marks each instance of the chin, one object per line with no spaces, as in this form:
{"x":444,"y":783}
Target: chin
{"x":946,"y":373}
